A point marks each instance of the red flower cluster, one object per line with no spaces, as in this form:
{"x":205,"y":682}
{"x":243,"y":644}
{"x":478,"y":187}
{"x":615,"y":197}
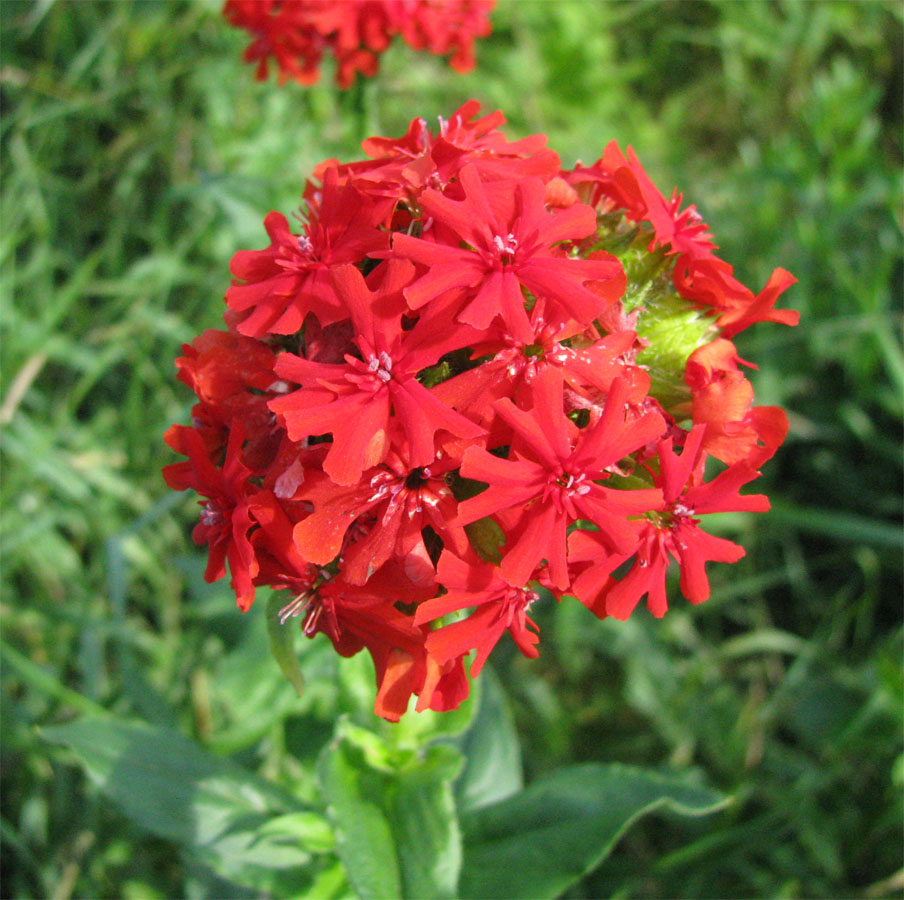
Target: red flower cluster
{"x":296,"y":33}
{"x":471,"y":378}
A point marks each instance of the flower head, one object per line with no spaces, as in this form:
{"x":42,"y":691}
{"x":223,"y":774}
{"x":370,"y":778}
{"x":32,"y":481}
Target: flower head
{"x":466,"y":380}
{"x":295,"y":34}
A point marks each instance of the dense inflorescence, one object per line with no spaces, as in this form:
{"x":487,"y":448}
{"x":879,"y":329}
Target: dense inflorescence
{"x":468,"y":380}
{"x":295,"y":34}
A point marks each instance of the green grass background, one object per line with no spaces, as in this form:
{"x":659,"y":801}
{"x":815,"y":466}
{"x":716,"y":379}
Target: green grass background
{"x":138,"y":154}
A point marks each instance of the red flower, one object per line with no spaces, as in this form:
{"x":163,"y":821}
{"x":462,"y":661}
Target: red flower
{"x":722,"y":400}
{"x":290,"y":278}
{"x":280,"y":563}
{"x":419,"y":158}
{"x":233,"y":378}
{"x":499,"y":607}
{"x":670,"y":530}
{"x":699,"y":275}
{"x":354,"y":401}
{"x":443,"y":27}
{"x":627,"y":185}
{"x":297,"y":32}
{"x":392,"y":504}
{"x":588,"y":365}
{"x":219,"y":366}
{"x":401,"y":168}
{"x":550,"y":479}
{"x":359,"y":616}
{"x":280,"y":30}
{"x":512,"y":236}
{"x":712,"y":280}
{"x":225,"y":515}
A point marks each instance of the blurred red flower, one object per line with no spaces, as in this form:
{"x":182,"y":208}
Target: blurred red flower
{"x":295,"y":34}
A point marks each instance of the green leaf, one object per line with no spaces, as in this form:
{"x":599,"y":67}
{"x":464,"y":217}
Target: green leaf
{"x":363,"y":836}
{"x":543,"y":839}
{"x":396,"y":826}
{"x":39,"y":678}
{"x":282,"y":644}
{"x":763,"y":640}
{"x":423,"y":816}
{"x":492,"y":753}
{"x":228,"y":817}
{"x":838,"y":526}
{"x":311,"y":830}
{"x":249,"y":694}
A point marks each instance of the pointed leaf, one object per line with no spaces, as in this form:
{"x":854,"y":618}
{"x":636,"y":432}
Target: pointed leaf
{"x":396,"y":826}
{"x":212,"y":808}
{"x":364,"y":837}
{"x":543,"y":839}
{"x":490,"y":746}
{"x":425,"y":823}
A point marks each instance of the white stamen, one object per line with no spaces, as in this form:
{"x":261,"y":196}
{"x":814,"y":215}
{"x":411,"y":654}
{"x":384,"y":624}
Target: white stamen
{"x":211,"y":514}
{"x":293,"y":609}
{"x":505,"y":245}
{"x":310,"y":625}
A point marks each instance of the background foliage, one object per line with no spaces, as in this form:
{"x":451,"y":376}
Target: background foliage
{"x":137,"y":155}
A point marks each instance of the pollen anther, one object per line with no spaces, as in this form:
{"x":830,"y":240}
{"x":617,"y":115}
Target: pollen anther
{"x":505,"y":245}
